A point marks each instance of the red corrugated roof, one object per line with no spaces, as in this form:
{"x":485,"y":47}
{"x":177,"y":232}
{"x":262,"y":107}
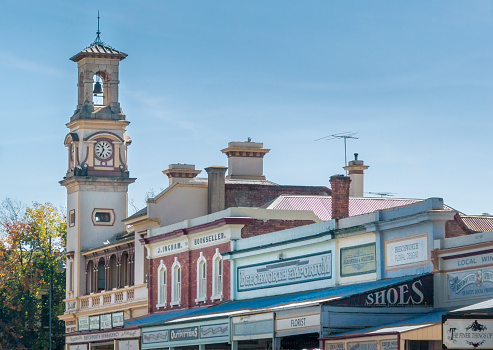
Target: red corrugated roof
{"x":478,"y":223}
{"x":322,"y":205}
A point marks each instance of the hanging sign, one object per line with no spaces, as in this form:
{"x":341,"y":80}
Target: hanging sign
{"x":470,"y":333}
{"x":94,"y":323}
{"x":416,"y":292}
{"x":105,"y":321}
{"x":118,"y":319}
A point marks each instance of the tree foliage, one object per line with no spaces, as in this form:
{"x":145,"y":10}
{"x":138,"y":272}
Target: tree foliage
{"x":32,"y":242}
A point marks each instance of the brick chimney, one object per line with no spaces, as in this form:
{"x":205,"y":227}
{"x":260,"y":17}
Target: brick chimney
{"x":340,"y":196}
{"x":246,"y":160}
{"x":356,"y":169}
{"x":216,"y":189}
{"x":181,"y":173}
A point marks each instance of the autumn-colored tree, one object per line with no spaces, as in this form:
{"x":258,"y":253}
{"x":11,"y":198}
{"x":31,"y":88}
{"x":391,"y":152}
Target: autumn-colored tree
{"x":32,"y":242}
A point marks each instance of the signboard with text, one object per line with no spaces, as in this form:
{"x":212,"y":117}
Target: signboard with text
{"x":358,"y":260}
{"x":416,"y":292}
{"x":467,"y":333}
{"x":470,"y":284}
{"x":406,"y":252}
{"x":283,"y":272}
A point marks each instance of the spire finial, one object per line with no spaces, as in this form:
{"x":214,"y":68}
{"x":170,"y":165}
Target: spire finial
{"x":98,"y":38}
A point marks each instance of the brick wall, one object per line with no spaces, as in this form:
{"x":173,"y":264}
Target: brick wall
{"x":249,"y":195}
{"x":340,"y":196}
{"x":261,"y":227}
{"x":188,"y":261}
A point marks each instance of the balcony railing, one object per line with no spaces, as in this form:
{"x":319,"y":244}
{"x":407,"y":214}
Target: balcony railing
{"x":106,"y":298}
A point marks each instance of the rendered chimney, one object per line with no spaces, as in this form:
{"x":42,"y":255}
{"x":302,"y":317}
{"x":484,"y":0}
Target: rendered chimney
{"x":356,"y":169}
{"x":246,"y":160}
{"x":181,"y":173}
{"x":340,"y":196}
{"x":216,"y":189}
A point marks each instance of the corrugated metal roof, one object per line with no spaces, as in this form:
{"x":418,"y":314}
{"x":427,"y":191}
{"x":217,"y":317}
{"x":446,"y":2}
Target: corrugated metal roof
{"x":322,"y":205}
{"x":487,"y":304}
{"x":478,"y":223}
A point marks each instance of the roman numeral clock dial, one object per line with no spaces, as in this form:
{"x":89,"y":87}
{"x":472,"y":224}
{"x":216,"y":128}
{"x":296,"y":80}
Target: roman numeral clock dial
{"x":103,"y":149}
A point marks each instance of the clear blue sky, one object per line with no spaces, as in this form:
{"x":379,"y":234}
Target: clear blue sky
{"x":413,"y":78}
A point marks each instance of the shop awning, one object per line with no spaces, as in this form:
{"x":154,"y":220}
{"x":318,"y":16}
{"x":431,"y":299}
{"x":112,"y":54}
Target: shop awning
{"x":266,"y":304}
{"x":485,"y":306}
{"x":404,"y":326}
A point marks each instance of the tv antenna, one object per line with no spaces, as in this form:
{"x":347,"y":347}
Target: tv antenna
{"x":342,"y":135}
{"x":382,"y":194}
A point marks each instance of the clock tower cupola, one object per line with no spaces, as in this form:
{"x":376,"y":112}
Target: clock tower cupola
{"x":97,"y":176}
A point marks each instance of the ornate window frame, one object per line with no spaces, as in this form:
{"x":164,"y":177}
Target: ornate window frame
{"x":161,"y":283}
{"x":217,"y":276}
{"x":176,"y":279}
{"x":201,"y":279}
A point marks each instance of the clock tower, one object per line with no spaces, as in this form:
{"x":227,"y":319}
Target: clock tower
{"x":97,"y":175}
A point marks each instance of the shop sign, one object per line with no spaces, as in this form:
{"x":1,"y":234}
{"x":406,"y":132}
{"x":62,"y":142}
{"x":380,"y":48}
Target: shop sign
{"x":132,"y":344}
{"x":388,"y":345}
{"x":94,"y":323}
{"x":83,"y":323}
{"x":469,"y":260}
{"x":78,"y":347}
{"x":208,"y":239}
{"x":171,"y":247}
{"x":470,"y":284}
{"x":94,"y":337}
{"x":216,"y":330}
{"x":406,"y":252}
{"x":118,"y":319}
{"x":474,"y":333}
{"x":363,"y":346}
{"x":288,"y":271}
{"x":334,"y":346}
{"x":105,"y":321}
{"x":70,"y":326}
{"x":298,"y":322}
{"x":155,"y":337}
{"x":358,"y":260}
{"x":417,"y":292}
{"x":189,"y":333}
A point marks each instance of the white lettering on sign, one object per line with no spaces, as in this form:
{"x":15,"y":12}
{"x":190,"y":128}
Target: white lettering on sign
{"x":171,"y":247}
{"x":298,"y":322}
{"x":290,"y":271}
{"x":400,"y":295}
{"x":208,"y":239}
{"x":409,"y":251}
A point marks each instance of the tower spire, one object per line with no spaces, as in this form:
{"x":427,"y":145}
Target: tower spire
{"x":98,"y":38}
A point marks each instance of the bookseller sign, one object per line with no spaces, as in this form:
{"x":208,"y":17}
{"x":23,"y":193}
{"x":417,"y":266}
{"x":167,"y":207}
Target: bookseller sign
{"x":288,"y":271}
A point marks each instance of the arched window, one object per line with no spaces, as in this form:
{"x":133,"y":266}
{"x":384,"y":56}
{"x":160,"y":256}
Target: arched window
{"x":201,"y":278}
{"x":217,"y":276}
{"x":113,"y":272}
{"x":161,"y":282}
{"x":176,"y":283}
{"x":101,"y":270}
{"x":89,"y":274}
{"x":97,"y":89}
{"x":124,"y":270}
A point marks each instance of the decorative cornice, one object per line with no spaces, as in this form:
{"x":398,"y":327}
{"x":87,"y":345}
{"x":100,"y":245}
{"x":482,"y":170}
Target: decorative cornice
{"x":245,"y":152}
{"x":195,"y":229}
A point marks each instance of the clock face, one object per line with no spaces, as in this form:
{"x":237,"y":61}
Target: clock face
{"x":103,"y":149}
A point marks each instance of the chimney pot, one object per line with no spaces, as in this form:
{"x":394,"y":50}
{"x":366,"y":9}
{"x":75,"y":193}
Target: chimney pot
{"x":180,"y":173}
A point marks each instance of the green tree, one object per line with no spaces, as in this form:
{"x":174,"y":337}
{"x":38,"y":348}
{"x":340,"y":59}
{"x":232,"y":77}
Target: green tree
{"x":32,"y":242}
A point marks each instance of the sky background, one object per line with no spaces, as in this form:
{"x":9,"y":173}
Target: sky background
{"x":414,"y":79}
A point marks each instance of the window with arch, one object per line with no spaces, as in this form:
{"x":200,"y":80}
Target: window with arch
{"x":217,"y":276}
{"x":201,"y":278}
{"x":176,"y":283}
{"x":161,"y":282}
{"x":89,"y":276}
{"x":101,"y":272}
{"x":97,"y":89}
